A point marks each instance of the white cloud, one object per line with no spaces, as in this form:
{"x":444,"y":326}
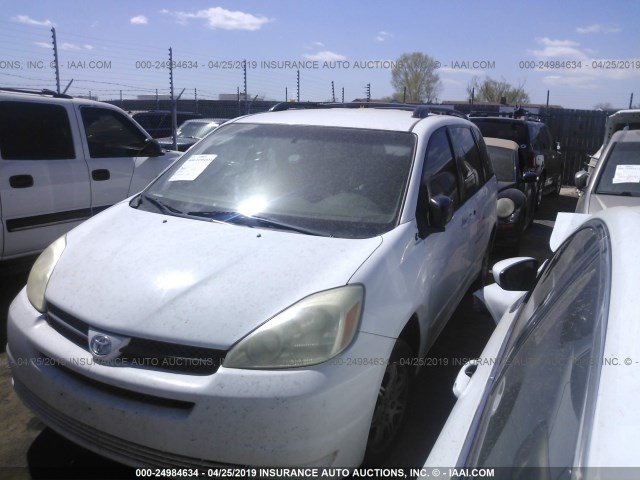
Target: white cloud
{"x":597,"y":28}
{"x":221,"y":18}
{"x":563,"y":49}
{"x":464,"y":71}
{"x":325,"y":56}
{"x":572,"y":81}
{"x":30,"y":21}
{"x":139,"y":20}
{"x":88,"y":47}
{"x":43,"y":44}
{"x":383,"y":36}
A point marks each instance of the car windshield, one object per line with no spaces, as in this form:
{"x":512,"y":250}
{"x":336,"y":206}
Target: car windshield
{"x":503,"y":161}
{"x":621,"y":170}
{"x":195,"y":129}
{"x":341,"y":182}
{"x":515,"y":131}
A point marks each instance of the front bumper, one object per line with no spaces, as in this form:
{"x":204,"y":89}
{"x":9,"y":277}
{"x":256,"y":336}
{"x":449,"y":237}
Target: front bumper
{"x":296,"y":417}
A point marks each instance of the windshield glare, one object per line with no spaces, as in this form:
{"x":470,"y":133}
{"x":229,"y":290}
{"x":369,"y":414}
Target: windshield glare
{"x":621,"y":172}
{"x":341,"y":182}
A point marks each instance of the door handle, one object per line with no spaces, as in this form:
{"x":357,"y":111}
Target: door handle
{"x":21,"y":181}
{"x":100,"y":175}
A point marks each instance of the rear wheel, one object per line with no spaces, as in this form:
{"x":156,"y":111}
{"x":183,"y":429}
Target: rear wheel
{"x":392,"y":404}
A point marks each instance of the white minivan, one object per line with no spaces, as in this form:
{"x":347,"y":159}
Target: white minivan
{"x":267,"y":299}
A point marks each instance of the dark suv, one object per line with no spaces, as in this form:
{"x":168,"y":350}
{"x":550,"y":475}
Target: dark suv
{"x":542,"y":155}
{"x":158,"y":122}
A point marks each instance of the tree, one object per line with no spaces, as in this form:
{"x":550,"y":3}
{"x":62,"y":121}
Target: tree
{"x":603,"y":106}
{"x":495,"y":91}
{"x":415,"y":74}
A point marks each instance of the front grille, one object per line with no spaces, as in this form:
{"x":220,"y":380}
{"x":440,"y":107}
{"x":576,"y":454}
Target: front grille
{"x":142,"y":352}
{"x":123,"y":450}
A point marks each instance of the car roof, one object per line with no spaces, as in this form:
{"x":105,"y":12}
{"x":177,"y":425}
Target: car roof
{"x":500,"y":142}
{"x":367,"y":118}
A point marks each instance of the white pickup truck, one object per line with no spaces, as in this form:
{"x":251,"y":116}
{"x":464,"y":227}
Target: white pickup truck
{"x":64,"y":159}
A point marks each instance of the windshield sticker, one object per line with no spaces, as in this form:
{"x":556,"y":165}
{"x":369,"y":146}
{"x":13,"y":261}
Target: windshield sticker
{"x":192,"y":168}
{"x":627,"y":174}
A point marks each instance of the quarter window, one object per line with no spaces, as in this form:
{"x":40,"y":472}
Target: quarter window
{"x":35,"y":131}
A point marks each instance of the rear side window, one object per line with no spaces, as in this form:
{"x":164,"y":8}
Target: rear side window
{"x":468,"y":156}
{"x":35,"y":131}
{"x":110,"y":134}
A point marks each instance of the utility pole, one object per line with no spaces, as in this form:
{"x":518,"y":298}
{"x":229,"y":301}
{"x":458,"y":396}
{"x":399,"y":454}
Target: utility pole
{"x":342,"y":94}
{"x":174,"y":104}
{"x":195,"y":94}
{"x":286,"y":94}
{"x":298,"y":86}
{"x":246,"y":105}
{"x":368,"y":92}
{"x":333,"y":92}
{"x":631,"y":101}
{"x":55,"y":58}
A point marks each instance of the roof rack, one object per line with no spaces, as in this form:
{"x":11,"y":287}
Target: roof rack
{"x":44,"y":91}
{"x":419,"y":110}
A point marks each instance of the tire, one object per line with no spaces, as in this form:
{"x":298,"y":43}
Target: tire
{"x":389,"y":414}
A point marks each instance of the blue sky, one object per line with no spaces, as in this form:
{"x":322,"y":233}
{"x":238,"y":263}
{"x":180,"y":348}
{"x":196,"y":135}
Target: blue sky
{"x":108,"y":47}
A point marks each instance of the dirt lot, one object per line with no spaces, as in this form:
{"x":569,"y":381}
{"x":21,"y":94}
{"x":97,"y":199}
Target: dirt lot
{"x":29,"y":450}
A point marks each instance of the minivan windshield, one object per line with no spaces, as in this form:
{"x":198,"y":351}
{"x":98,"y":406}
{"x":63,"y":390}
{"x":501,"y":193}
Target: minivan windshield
{"x":330,"y":181}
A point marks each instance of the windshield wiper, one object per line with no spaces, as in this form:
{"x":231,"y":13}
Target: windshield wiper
{"x":621,"y":194}
{"x":163,"y":207}
{"x":253,"y":221}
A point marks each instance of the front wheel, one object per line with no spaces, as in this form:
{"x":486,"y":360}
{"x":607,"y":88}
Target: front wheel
{"x":392,"y":404}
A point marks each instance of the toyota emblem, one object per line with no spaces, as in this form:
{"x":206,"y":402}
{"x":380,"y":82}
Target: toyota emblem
{"x":100,"y":345}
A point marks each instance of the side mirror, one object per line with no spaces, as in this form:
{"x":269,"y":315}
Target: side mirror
{"x":558,"y":146}
{"x":581,"y":179}
{"x":516,"y":274}
{"x":529,"y":177}
{"x":539,"y":160}
{"x":440,"y":212}
{"x":151,"y":148}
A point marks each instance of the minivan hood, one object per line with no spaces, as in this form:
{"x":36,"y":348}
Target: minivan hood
{"x":199,"y":283}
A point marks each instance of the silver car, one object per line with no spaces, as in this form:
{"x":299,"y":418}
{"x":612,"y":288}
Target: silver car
{"x":615,"y":181}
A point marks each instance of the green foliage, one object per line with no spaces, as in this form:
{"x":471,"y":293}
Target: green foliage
{"x":494,"y":91}
{"x":415,"y":74}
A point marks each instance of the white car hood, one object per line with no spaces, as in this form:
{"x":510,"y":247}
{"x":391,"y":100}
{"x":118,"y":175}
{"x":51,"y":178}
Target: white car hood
{"x":189,"y":281}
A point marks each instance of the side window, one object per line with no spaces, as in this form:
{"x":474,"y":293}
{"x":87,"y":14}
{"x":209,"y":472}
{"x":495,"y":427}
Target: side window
{"x":111,"y":134}
{"x":484,"y":155}
{"x":468,"y":157}
{"x":439,"y":171}
{"x":35,"y":131}
{"x":545,"y":387}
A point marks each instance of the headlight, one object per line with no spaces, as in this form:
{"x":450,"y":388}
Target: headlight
{"x":506,"y":207}
{"x":309,"y":332}
{"x":41,"y":271}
